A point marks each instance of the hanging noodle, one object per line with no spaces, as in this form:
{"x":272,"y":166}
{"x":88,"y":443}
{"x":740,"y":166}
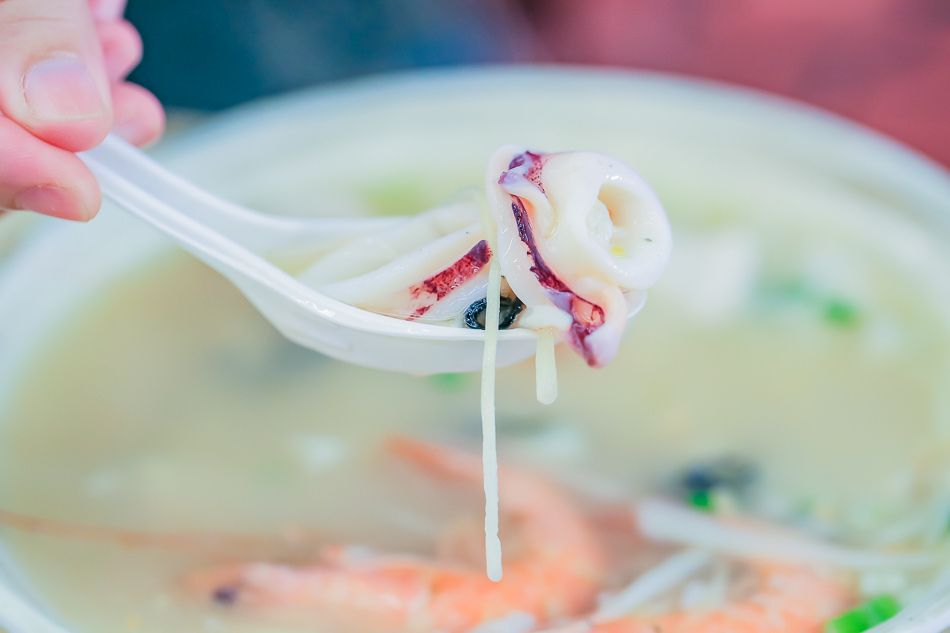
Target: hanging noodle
{"x":545,"y":367}
{"x":489,"y":358}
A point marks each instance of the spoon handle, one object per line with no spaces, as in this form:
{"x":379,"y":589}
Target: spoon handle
{"x":138,"y":169}
{"x":260,"y":233}
{"x":202,"y":241}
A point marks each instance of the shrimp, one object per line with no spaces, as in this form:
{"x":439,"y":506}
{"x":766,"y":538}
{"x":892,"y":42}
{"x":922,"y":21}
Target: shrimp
{"x":787,"y":599}
{"x":556,"y":573}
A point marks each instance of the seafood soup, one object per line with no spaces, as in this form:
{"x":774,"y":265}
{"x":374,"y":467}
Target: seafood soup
{"x":786,"y":387}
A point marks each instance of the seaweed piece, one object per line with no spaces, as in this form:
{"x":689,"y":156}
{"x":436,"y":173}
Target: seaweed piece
{"x":511,"y":307}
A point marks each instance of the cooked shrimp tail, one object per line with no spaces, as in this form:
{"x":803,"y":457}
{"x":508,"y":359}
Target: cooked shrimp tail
{"x":553,"y":570}
{"x":442,"y":462}
{"x":785,"y":599}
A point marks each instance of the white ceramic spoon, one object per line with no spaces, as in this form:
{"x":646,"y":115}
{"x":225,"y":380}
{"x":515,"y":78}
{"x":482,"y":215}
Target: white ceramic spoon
{"x":234,"y":241}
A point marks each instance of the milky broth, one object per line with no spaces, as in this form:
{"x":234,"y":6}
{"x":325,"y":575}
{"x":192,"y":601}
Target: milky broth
{"x":813,"y":342}
{"x":803,"y":323}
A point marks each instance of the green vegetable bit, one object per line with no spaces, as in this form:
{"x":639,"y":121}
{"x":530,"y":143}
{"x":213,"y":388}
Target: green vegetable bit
{"x":702,"y":500}
{"x":448,"y":382}
{"x":841,"y":312}
{"x":868,"y":615}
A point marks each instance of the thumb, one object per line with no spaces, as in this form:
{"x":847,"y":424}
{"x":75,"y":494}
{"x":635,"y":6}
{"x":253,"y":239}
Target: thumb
{"x":52,"y":79}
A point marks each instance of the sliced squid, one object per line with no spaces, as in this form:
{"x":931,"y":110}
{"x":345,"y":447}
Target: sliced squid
{"x":583,"y":237}
{"x":580,"y":237}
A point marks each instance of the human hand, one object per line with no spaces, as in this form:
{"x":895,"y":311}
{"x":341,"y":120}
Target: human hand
{"x":62,"y":89}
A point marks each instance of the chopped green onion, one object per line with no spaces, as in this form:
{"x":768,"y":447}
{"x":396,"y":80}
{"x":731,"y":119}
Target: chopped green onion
{"x":841,"y":312}
{"x":868,"y":615}
{"x":851,"y":622}
{"x":448,"y":382}
{"x":834,"y":309}
{"x":883,"y":608}
{"x":702,"y":500}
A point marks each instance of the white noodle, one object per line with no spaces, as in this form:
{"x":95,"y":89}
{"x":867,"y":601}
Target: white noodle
{"x":668,"y":522}
{"x":651,"y":584}
{"x":489,"y":450}
{"x":489,"y":359}
{"x":695,"y":594}
{"x":545,"y":367}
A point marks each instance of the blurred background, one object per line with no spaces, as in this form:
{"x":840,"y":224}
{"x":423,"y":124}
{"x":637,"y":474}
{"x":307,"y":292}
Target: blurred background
{"x":885,"y":63}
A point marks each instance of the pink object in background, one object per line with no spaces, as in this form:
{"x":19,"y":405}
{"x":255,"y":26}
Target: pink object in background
{"x":885,"y":63}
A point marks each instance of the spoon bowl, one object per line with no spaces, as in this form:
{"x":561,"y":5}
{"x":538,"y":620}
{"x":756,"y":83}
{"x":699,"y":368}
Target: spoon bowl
{"x":238,"y":243}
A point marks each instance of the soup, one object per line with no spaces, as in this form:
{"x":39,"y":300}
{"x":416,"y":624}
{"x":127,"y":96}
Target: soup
{"x":803,"y":327}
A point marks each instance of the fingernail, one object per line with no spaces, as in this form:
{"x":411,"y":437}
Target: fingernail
{"x":52,"y":201}
{"x":104,"y":10}
{"x":62,"y":88}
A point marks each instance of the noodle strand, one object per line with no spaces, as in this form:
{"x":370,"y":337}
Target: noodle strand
{"x":489,"y":363}
{"x":545,"y":367}
{"x":489,"y":448}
